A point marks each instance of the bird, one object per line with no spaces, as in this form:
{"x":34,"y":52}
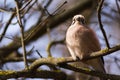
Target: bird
{"x":81,"y":41}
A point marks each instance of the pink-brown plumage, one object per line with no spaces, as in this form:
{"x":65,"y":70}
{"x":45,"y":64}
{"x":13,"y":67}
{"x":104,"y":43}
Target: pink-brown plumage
{"x":81,"y":41}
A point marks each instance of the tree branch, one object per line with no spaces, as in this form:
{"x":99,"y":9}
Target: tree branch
{"x":63,"y":61}
{"x":91,"y":72}
{"x":58,"y":75}
{"x":22,"y":34}
{"x":6,"y":27}
{"x":118,"y":7}
{"x":100,"y":22}
{"x":51,"y":44}
{"x":15,"y":59}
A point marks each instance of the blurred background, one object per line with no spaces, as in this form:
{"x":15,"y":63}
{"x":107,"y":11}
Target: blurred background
{"x":35,"y":13}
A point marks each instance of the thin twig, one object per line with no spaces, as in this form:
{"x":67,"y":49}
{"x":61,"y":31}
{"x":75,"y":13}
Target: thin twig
{"x":29,"y":7}
{"x":22,"y":34}
{"x":117,"y":62}
{"x":56,"y":9}
{"x":6,"y":27}
{"x":59,"y":7}
{"x":3,"y":10}
{"x":118,"y":7}
{"x":100,"y":22}
{"x":48,"y":3}
{"x":10,"y":38}
{"x":51,"y":44}
{"x":39,"y":54}
{"x":28,"y":2}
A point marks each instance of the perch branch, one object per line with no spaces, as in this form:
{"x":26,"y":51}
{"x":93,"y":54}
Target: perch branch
{"x":91,"y":72}
{"x":63,"y":61}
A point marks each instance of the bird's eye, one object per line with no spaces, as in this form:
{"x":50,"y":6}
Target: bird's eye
{"x":82,"y":21}
{"x":78,"y":19}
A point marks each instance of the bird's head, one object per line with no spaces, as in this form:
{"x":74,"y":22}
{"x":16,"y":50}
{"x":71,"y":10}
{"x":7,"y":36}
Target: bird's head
{"x":79,"y":19}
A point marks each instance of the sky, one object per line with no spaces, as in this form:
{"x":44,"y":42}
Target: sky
{"x":42,"y":42}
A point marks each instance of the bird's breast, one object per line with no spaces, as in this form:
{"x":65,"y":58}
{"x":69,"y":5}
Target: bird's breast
{"x":82,"y":40}
{"x":75,"y":35}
